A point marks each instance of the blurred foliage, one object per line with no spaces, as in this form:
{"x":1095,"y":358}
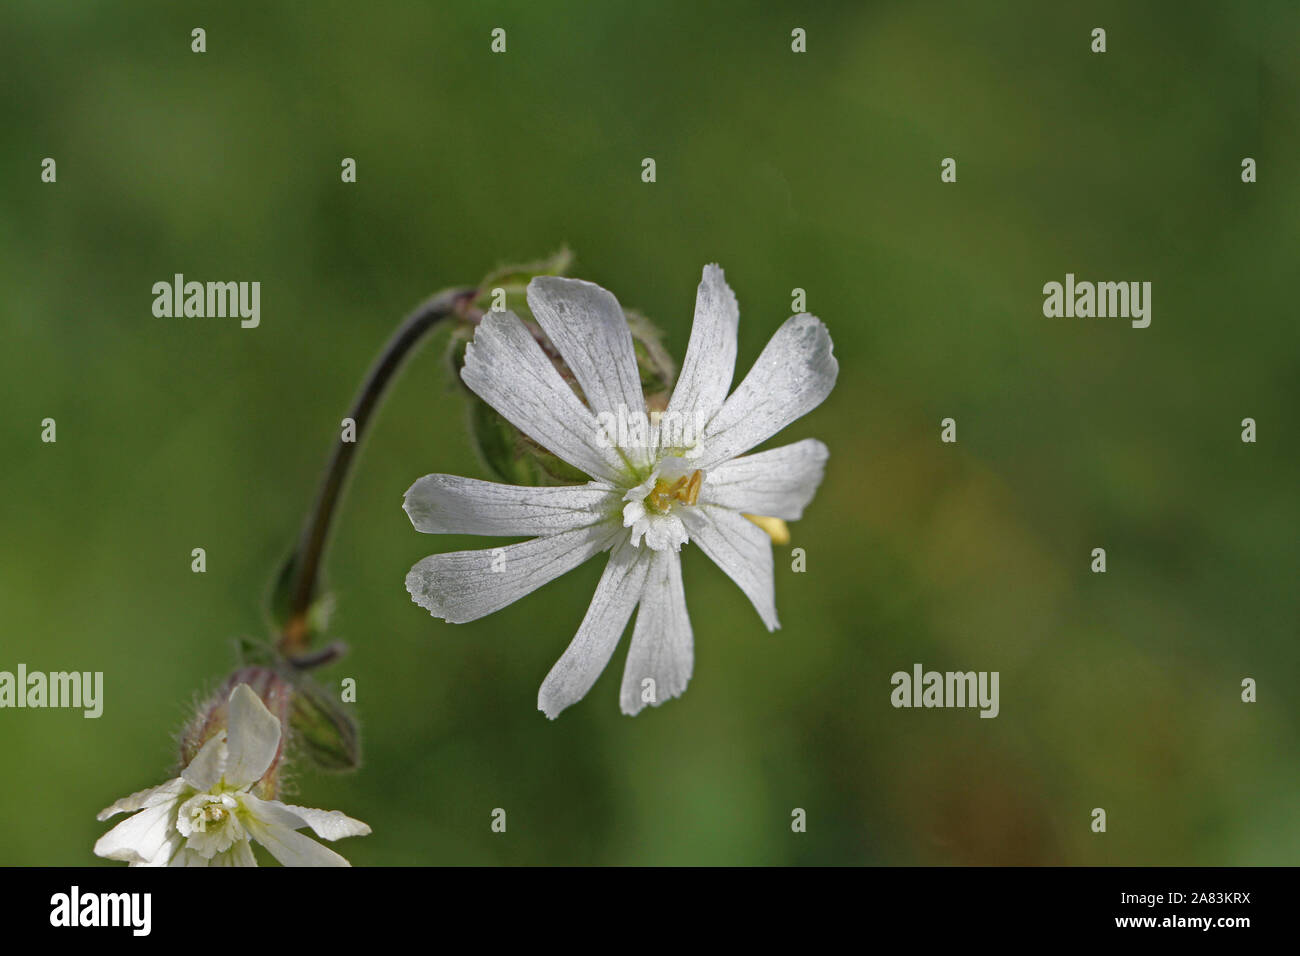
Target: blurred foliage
{"x":818,"y":171}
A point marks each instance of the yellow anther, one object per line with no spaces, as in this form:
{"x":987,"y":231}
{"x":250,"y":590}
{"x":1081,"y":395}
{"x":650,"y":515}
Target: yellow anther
{"x":685,"y":489}
{"x":693,"y":488}
{"x":776,"y":529}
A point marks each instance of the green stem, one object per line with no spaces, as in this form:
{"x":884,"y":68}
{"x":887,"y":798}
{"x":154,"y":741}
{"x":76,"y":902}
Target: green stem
{"x":306,"y":560}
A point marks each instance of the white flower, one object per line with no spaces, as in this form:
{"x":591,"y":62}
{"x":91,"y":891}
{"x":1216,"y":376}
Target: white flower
{"x":655,"y":487}
{"x":206,"y":816}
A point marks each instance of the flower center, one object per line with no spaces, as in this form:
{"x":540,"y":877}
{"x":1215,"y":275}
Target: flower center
{"x":214,"y":814}
{"x":653,"y":510}
{"x":685,"y":489}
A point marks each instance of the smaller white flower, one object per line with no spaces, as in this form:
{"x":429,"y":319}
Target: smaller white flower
{"x":207,"y":815}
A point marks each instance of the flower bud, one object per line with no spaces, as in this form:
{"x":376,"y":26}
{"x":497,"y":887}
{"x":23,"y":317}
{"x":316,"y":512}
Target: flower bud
{"x":512,"y":281}
{"x":323,"y":731}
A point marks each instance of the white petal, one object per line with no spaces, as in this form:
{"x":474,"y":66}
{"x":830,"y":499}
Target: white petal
{"x":166,"y":853}
{"x":662,"y":648}
{"x":587,"y":325}
{"x":143,"y":799}
{"x":252,"y":740}
{"x":660,"y":532}
{"x":446,"y":504}
{"x":270,"y":812}
{"x":187,"y":857}
{"x":327,"y":824}
{"x":139,"y":838}
{"x":208,"y":764}
{"x":239,"y":854}
{"x":506,"y":367}
{"x":742,"y":549}
{"x":792,"y":376}
{"x":710,"y":361}
{"x":292,"y":848}
{"x":466,"y":585}
{"x":589,"y":651}
{"x":777,"y":483}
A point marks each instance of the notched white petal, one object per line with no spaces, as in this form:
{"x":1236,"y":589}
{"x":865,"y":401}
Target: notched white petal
{"x":466,"y":585}
{"x":778,"y":483}
{"x":448,"y":504}
{"x":793,"y":375}
{"x":587,"y":325}
{"x":506,"y":368}
{"x":743,"y":550}
{"x":710,"y":361}
{"x":661,"y":656}
{"x":587,"y":654}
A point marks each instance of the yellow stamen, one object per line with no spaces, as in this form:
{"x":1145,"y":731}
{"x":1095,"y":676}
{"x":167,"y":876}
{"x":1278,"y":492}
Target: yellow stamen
{"x":685,"y":489}
{"x":776,"y":529}
{"x":693,"y":488}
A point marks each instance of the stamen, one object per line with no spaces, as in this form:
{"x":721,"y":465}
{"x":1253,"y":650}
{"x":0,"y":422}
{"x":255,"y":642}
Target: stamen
{"x":693,"y":487}
{"x":776,"y":529}
{"x":685,"y":489}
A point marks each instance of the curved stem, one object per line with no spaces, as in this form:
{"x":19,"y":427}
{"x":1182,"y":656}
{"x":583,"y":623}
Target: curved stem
{"x":315,"y":533}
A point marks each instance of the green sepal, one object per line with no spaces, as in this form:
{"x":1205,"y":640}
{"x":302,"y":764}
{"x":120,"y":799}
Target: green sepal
{"x":514,"y":280}
{"x":322,"y":729}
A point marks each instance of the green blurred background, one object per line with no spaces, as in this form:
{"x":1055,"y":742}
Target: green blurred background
{"x":818,"y":171}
